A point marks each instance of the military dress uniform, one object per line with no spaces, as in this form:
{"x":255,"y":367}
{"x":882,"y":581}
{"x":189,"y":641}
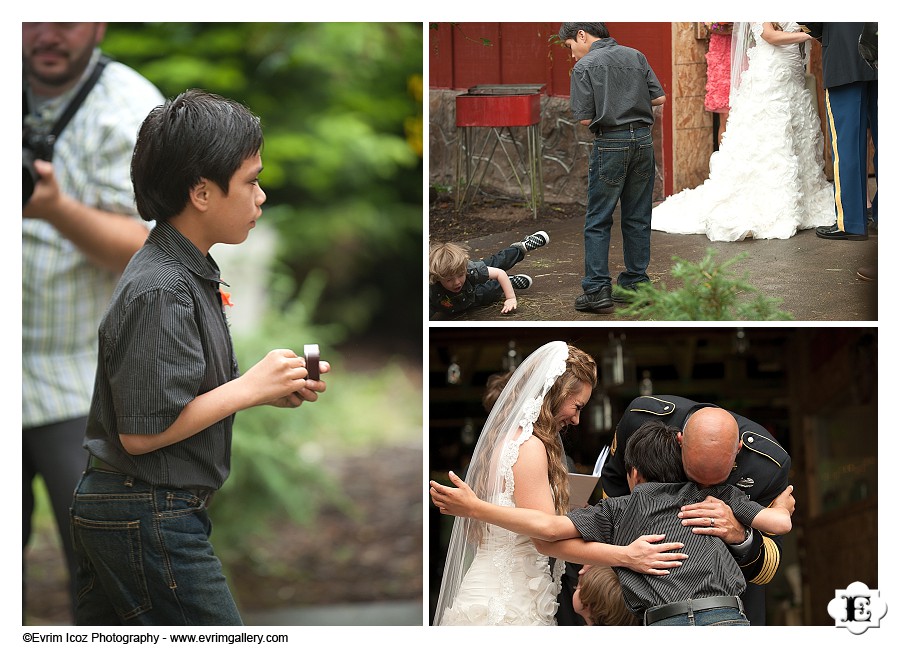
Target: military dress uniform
{"x":761,"y":471}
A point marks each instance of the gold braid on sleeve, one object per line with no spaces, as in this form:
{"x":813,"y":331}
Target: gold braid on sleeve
{"x":771,"y":556}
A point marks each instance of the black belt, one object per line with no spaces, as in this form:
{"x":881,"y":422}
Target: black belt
{"x":690,"y":606}
{"x":632,"y":126}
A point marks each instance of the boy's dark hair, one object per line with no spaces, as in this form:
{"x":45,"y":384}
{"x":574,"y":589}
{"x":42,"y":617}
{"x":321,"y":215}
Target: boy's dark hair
{"x":569,"y":30}
{"x":193,"y":136}
{"x":653,"y":450}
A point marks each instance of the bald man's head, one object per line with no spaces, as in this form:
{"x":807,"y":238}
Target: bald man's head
{"x":710,"y":443}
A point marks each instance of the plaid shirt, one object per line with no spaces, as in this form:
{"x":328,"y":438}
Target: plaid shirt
{"x":63,"y":294}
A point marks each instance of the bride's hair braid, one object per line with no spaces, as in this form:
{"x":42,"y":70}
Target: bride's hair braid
{"x":580,"y":368}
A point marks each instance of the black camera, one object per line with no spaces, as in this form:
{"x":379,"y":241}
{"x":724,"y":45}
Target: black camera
{"x":35,"y":146}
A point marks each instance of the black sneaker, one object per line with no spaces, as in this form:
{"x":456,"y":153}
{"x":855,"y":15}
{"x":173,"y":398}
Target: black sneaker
{"x":533,"y":241}
{"x":520,"y":282}
{"x":625,"y":294}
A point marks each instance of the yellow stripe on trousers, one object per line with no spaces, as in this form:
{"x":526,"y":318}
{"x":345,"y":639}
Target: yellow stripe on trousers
{"x":839,"y":206}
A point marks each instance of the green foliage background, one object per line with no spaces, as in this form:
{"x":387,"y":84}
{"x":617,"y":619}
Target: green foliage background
{"x":341,"y":110}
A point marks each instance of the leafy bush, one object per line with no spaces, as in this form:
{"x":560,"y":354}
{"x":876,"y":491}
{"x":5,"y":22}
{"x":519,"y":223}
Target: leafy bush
{"x":710,"y":293}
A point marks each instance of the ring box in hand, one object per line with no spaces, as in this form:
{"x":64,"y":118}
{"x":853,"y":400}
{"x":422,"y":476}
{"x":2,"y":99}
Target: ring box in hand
{"x":311,"y":353}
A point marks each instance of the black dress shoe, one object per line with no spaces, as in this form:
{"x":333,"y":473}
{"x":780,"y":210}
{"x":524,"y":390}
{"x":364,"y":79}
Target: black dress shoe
{"x":598,"y":302}
{"x":833,"y":233}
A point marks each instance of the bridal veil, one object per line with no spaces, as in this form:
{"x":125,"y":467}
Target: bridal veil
{"x":489,"y":474}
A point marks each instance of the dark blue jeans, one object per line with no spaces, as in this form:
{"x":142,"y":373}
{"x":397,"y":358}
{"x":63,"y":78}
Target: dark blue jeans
{"x":622,"y":169}
{"x":144,"y":556}
{"x":491,"y":291}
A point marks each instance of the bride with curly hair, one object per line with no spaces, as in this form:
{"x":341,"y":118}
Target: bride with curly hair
{"x":496,"y":577}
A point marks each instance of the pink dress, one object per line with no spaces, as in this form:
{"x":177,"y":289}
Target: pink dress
{"x":718,"y":73}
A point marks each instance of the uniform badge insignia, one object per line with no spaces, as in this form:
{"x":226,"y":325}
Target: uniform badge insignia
{"x":745,"y":482}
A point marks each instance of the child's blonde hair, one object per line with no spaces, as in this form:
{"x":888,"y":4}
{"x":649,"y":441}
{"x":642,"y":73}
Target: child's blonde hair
{"x":446,"y":260}
{"x":601,"y":593}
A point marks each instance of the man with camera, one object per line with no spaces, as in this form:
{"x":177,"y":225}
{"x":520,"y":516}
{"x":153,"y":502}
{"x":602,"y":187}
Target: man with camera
{"x":79,"y":230}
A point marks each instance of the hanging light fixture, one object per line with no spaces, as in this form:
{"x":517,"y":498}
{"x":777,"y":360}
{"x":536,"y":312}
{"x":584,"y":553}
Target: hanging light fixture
{"x":511,"y":358}
{"x":467,"y":432}
{"x":646,"y":387}
{"x":601,"y":413}
{"x":617,"y":365}
{"x":454,"y":373}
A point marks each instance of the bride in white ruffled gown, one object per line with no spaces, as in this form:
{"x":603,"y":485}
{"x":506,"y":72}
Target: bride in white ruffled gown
{"x":766,"y":180}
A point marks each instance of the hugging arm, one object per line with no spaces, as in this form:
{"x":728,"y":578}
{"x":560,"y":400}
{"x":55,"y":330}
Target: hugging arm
{"x":759,"y":556}
{"x":776,"y":519}
{"x":556,"y":535}
{"x":646,"y":555}
{"x":462,"y":502}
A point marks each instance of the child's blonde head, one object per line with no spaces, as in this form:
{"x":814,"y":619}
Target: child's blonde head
{"x":446,"y":260}
{"x":601,"y":597}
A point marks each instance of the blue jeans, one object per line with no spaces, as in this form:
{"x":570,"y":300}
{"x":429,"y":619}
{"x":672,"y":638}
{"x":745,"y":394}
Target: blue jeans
{"x":714,"y":617}
{"x":144,"y":557}
{"x":491,"y":291}
{"x":622,"y":168}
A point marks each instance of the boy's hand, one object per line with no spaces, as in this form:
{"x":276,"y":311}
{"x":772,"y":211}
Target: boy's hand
{"x":310,"y":392}
{"x":509,"y":305}
{"x":459,"y":501}
{"x":280,"y":378}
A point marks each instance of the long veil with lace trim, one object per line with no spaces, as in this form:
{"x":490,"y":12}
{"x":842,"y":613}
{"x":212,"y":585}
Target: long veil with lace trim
{"x":489,"y":474}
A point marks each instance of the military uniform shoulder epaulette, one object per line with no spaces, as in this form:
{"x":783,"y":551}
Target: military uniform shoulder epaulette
{"x":764,"y":446}
{"x":652,"y":405}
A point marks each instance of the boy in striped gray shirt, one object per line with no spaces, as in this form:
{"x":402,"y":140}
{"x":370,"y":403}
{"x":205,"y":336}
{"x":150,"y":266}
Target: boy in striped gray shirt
{"x":702,"y":589}
{"x":168,"y":385}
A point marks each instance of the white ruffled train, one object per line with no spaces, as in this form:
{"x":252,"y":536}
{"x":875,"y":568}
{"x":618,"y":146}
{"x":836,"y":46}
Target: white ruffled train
{"x":766,"y":180}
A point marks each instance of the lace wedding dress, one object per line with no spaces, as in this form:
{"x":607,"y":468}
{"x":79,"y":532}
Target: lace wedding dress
{"x":766,"y":180}
{"x":509,"y":582}
{"x":493,"y":576}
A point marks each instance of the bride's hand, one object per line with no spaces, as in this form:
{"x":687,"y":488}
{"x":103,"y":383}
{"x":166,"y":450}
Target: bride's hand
{"x":453,"y":501}
{"x":648,"y":555}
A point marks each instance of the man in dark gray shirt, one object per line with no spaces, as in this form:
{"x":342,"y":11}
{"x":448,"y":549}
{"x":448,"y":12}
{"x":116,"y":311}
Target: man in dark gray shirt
{"x":167,"y":384}
{"x":613,"y":91}
{"x":703,"y":590}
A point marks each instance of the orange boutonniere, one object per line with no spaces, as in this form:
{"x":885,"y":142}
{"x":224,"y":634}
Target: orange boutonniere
{"x":226,"y":297}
